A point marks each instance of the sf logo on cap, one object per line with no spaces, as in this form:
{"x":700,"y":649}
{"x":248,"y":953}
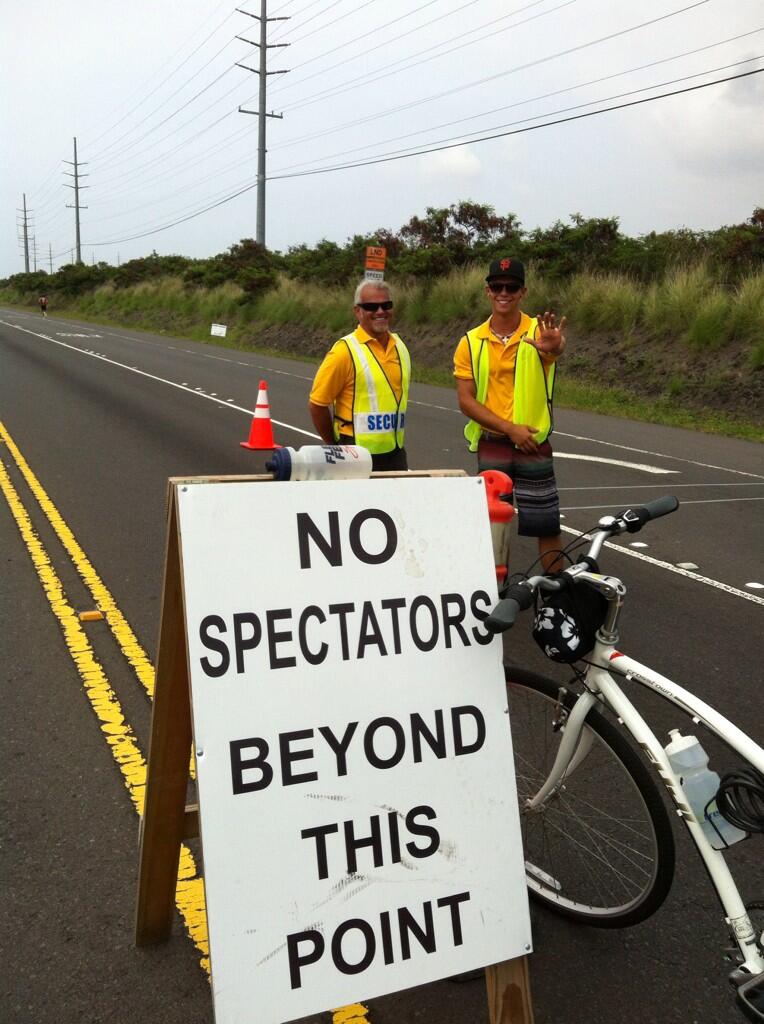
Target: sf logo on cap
{"x":504,"y":264}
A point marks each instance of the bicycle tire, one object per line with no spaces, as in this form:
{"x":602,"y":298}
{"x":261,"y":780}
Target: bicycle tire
{"x":601,"y":849}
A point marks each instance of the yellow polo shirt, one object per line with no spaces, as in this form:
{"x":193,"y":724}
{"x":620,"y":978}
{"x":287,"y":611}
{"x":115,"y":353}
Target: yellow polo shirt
{"x":335,"y":379}
{"x":502,"y":356}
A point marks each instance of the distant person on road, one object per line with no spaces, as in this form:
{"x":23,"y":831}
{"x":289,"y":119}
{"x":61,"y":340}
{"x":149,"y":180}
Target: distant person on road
{"x":504,"y":373}
{"x":43,"y":303}
{"x":360,"y":392}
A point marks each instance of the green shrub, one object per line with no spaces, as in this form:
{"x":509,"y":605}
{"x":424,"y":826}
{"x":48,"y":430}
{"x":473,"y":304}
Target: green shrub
{"x":747,"y":310}
{"x":671,"y":305}
{"x":711,"y":326}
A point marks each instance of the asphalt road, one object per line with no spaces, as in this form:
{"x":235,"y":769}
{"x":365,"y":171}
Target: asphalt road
{"x":102,"y":417}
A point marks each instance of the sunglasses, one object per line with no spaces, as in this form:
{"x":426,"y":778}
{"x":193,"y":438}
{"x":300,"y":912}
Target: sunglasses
{"x":372,"y":307}
{"x":497,"y":287}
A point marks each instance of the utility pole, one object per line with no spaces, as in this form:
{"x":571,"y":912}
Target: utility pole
{"x":34,"y":252}
{"x":25,"y":213}
{"x":76,"y":207}
{"x":50,"y":257}
{"x":264,"y":46}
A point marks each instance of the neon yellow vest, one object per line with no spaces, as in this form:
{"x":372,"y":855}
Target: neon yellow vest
{"x":533,"y":388}
{"x":379,"y":419}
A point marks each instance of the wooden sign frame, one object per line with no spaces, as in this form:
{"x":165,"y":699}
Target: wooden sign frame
{"x":167,"y":819}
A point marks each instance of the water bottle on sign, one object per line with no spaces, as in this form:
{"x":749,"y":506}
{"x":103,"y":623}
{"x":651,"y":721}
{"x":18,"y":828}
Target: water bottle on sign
{"x":320,"y":462}
{"x":700,"y":786}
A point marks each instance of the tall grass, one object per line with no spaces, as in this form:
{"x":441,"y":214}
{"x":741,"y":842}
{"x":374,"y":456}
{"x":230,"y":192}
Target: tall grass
{"x":604,"y":302}
{"x":688,"y":306}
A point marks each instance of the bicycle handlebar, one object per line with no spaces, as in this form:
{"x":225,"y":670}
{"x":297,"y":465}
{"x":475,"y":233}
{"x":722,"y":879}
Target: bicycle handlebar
{"x":635,"y":518}
{"x":519,"y":596}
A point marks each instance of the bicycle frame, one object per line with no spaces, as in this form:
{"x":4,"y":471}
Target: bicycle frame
{"x":602,"y":688}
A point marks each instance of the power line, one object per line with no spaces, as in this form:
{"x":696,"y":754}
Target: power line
{"x":169,"y":117}
{"x":161,"y":157}
{"x":500,"y":74}
{"x":151,"y":148}
{"x":55,"y":169}
{"x":365,"y":51}
{"x":424,"y":151}
{"x":556,"y":92}
{"x":449,"y":124}
{"x":518,"y":131}
{"x":175,"y":70}
{"x":313,"y":17}
{"x":328,"y":24}
{"x":393,"y":69}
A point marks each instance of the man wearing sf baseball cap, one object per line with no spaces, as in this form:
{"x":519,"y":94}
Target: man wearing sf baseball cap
{"x":508,"y":267}
{"x":504,"y":371}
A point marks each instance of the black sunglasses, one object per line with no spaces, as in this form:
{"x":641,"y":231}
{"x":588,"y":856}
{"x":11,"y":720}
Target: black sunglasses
{"x":497,"y":287}
{"x":372,"y":307}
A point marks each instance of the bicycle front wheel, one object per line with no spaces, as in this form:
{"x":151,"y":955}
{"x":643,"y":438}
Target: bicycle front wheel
{"x":600,"y":849}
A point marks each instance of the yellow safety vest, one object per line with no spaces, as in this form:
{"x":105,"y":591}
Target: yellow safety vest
{"x":379,"y":419}
{"x":533,"y":388}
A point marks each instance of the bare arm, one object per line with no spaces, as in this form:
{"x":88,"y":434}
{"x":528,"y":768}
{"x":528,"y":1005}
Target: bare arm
{"x":322,"y":421}
{"x":520,"y":434}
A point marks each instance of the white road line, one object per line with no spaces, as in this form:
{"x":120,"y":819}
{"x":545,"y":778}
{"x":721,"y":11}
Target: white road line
{"x":615,"y":462}
{"x":162,"y":380}
{"x":689,"y":501}
{"x":200,"y":394}
{"x":673,"y":568}
{"x":660,"y":455}
{"x":430,"y":405}
{"x":642,"y":487}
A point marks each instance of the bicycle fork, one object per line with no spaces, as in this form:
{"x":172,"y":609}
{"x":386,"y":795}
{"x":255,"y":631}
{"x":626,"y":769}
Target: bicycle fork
{"x":574,"y":748}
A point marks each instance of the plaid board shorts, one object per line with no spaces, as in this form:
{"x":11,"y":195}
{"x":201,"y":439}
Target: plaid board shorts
{"x":534,"y":486}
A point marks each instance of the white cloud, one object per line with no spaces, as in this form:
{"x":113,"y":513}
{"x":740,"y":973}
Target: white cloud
{"x":456,"y":166}
{"x":718,"y":131}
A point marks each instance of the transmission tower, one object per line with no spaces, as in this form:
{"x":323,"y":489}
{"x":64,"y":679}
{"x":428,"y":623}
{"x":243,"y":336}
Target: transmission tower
{"x":25,"y":214}
{"x":76,"y":205}
{"x":261,"y":112}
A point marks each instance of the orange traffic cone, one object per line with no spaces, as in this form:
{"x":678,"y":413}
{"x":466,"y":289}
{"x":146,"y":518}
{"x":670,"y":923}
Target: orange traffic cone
{"x":261,"y":432}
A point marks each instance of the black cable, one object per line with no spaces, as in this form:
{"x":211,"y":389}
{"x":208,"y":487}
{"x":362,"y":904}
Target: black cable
{"x":286,"y":31}
{"x":391,"y":68}
{"x":363,"y":54}
{"x":741,"y":799}
{"x":554,"y":92}
{"x":519,"y":131}
{"x":516,"y":68}
{"x":98,"y":138}
{"x":119,"y":152}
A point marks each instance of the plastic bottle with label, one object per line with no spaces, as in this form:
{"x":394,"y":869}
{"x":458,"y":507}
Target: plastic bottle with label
{"x":700,"y":785}
{"x":320,"y":462}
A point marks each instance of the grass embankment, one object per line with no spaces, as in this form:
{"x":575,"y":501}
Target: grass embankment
{"x":687,"y":350}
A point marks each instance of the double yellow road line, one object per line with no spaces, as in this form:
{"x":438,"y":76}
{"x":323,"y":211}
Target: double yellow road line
{"x":115,"y":729}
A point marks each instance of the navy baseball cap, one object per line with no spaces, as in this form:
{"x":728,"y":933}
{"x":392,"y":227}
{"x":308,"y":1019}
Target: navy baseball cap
{"x":506,"y":266}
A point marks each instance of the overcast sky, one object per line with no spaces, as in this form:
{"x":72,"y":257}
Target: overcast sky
{"x":151,"y":89}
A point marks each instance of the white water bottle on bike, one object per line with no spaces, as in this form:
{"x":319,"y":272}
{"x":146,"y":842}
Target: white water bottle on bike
{"x":700,"y":786}
{"x":320,"y":462}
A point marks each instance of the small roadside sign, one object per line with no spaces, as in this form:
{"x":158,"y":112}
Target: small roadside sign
{"x":374,"y":264}
{"x":218,"y":330}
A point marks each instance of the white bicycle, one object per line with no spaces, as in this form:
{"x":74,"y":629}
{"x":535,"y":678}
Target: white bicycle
{"x":597,"y":836}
